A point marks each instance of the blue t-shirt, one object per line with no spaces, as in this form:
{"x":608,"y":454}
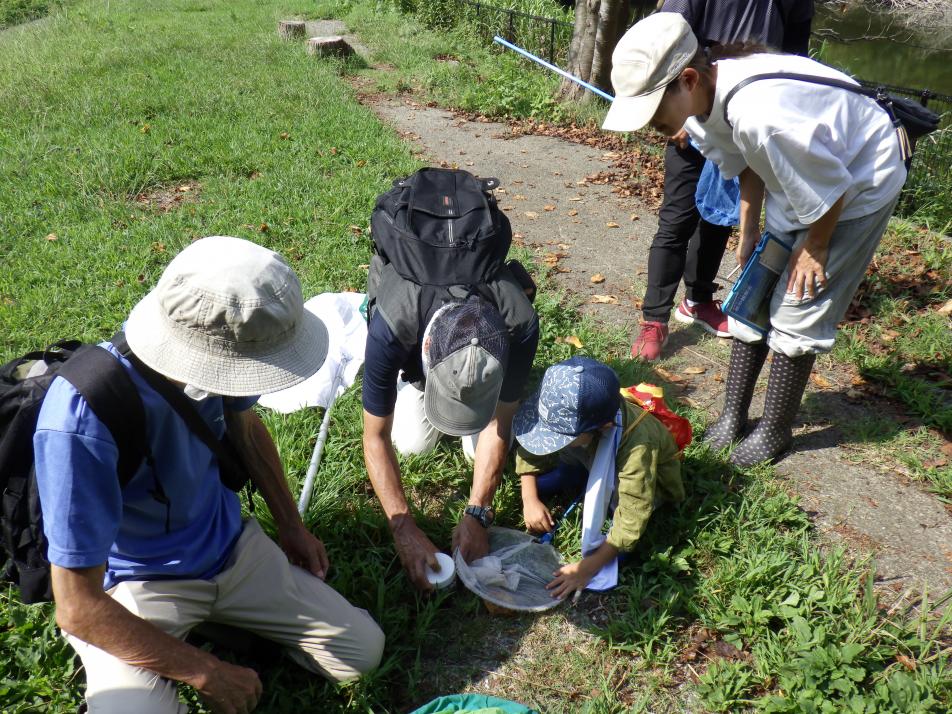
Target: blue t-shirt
{"x":89,"y":521}
{"x":385,"y":357}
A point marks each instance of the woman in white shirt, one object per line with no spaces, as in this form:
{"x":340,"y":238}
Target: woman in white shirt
{"x":824,"y":162}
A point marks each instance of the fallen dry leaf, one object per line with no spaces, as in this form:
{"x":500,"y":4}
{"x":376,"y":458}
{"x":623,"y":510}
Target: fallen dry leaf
{"x":531,"y":215}
{"x":634,"y":216}
{"x":612,"y":224}
{"x":285,"y":136}
{"x":668,"y":376}
{"x":573,"y":212}
{"x":718,"y":377}
{"x":576,"y":198}
{"x":935,"y":463}
{"x":907,"y":662}
{"x":688,"y":402}
{"x":518,"y":236}
{"x":548,"y":207}
{"x":946,"y":449}
{"x":945,"y":309}
{"x":158,"y":247}
{"x":518,"y":197}
{"x":694,"y":370}
{"x":570,"y":340}
{"x":889,"y":335}
{"x":356,"y":230}
{"x":604,"y":299}
{"x":51,"y":237}
{"x":854,"y":395}
{"x":597,"y":278}
{"x":820,"y":381}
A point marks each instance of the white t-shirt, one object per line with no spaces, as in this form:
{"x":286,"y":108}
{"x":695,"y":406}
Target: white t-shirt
{"x":809,"y":143}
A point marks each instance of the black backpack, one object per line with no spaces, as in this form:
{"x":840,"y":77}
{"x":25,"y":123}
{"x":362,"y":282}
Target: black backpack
{"x":103,"y":382}
{"x":441,"y":227}
{"x":106,"y":386}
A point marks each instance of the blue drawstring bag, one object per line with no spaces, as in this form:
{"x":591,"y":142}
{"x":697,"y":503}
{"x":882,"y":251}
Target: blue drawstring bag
{"x":718,"y":199}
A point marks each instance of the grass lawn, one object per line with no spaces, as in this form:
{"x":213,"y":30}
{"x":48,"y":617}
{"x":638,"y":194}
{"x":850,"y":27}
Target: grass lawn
{"x":160,"y":123}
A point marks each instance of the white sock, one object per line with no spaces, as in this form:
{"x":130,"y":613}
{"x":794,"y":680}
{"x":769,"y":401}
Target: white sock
{"x":691,"y":303}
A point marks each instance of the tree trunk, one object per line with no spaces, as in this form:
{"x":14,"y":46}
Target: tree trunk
{"x":599,"y":24}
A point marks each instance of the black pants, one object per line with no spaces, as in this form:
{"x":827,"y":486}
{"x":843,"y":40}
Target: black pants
{"x":685,"y":245}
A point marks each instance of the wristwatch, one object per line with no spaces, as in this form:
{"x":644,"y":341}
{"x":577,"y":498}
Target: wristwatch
{"x":485,"y":516}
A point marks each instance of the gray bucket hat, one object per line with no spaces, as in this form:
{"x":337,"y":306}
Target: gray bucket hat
{"x":227,"y":317}
{"x":467,"y":356}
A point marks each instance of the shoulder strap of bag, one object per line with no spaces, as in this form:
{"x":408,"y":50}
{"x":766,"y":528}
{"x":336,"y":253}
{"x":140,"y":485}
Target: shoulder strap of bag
{"x":111,"y":394}
{"x":178,"y":400}
{"x":812,"y":79}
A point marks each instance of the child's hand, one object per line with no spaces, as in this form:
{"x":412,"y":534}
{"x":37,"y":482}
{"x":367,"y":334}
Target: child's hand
{"x":537,"y":516}
{"x":570,"y":578}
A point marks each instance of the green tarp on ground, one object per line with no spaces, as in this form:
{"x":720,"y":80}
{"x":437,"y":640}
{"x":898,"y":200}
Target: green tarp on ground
{"x":473,"y":704}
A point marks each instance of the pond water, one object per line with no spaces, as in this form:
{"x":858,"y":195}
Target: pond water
{"x":916,"y":57}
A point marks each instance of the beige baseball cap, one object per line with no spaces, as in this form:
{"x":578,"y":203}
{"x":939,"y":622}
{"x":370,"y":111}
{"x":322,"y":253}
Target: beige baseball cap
{"x":646,"y":60}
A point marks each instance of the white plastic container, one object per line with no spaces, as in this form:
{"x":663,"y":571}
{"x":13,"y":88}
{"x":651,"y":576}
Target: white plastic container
{"x":446,"y":575}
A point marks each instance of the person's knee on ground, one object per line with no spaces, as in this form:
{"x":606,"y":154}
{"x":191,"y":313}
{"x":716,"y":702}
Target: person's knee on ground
{"x":355,"y":652}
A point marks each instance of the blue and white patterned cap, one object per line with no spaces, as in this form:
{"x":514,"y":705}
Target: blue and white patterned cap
{"x":576,"y":396}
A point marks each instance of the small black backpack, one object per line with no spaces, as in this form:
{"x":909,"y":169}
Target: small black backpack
{"x":101,"y":380}
{"x":441,"y":227}
{"x":110,"y":392}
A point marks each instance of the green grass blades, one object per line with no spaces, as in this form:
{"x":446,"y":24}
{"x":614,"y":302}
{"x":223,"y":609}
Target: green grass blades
{"x":157,"y":124}
{"x":142,"y":133}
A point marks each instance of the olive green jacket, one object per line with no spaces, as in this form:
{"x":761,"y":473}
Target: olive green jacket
{"x":648,"y":469}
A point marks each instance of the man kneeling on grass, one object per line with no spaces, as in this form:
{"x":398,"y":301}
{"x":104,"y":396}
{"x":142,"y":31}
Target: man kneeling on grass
{"x":577,"y":434}
{"x":135,"y":569}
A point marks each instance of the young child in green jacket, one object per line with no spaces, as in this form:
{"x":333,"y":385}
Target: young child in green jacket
{"x":559,"y":431}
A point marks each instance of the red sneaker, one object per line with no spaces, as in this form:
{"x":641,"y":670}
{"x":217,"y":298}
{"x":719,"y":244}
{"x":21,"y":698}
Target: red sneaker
{"x":650,"y":341}
{"x":706,"y":315}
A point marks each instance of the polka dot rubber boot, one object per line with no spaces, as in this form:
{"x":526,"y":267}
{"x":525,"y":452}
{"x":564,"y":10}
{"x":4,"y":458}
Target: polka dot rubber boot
{"x":774,"y":433}
{"x":746,"y":363}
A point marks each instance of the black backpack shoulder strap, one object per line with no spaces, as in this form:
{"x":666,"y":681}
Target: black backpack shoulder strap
{"x":180,"y":402}
{"x":110,"y":392}
{"x":813,"y":79}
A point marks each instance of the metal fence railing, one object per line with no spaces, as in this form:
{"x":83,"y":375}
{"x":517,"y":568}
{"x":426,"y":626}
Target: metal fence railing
{"x":547,"y":37}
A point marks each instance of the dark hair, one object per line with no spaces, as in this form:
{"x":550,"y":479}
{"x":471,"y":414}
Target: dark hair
{"x":704,"y":58}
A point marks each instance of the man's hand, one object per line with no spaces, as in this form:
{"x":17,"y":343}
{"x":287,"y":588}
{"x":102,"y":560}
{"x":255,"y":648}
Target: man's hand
{"x":416,"y":551}
{"x":229,"y":689}
{"x":305,"y":550}
{"x":572,"y":577}
{"x":471,"y":539}
{"x":807,"y":270}
{"x":681,"y":139}
{"x":537,"y":516}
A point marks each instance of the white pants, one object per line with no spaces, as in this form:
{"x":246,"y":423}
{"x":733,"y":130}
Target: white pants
{"x":808,"y":325}
{"x":258,"y":591}
{"x":412,"y":432}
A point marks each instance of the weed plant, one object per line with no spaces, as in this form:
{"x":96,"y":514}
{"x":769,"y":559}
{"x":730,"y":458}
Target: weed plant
{"x":14,"y":12}
{"x":158,"y":124}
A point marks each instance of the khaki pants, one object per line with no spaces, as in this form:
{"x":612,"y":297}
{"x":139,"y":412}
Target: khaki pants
{"x":258,"y":591}
{"x":808,"y":325}
{"x":412,"y":432}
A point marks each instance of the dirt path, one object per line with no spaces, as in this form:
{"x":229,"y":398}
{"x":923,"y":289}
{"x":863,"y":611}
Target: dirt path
{"x":556,"y":211}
